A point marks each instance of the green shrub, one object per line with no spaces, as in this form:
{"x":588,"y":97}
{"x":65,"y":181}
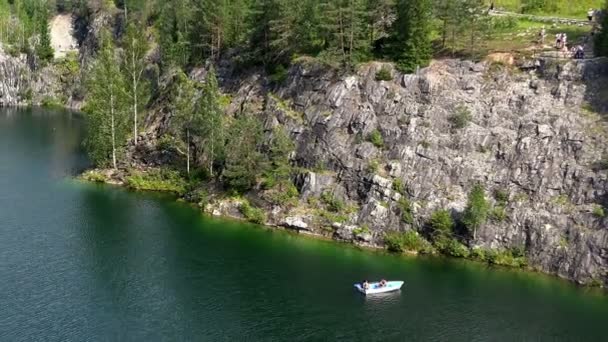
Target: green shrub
{"x":384,"y":74}
{"x":498,"y":214}
{"x":375,"y":137}
{"x":332,"y":217}
{"x":285,"y":194}
{"x":50,"y":102}
{"x":476,"y":212}
{"x":165,"y":142}
{"x":598,"y":211}
{"x":508,"y":258}
{"x":333,"y":203}
{"x":200,"y":197}
{"x":514,"y":257}
{"x":373,"y":166}
{"x":452,"y":247}
{"x":441,"y":223}
{"x":478,"y":254}
{"x":157,"y":180}
{"x":399,"y":186}
{"x":407,"y":214}
{"x":501,"y":196}
{"x":361,"y":230}
{"x":461,"y":118}
{"x":252,"y":214}
{"x":279,"y":74}
{"x":94,"y":176}
{"x":406,"y":241}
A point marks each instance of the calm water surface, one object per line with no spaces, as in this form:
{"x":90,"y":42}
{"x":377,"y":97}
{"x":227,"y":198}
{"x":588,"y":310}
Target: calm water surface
{"x":80,"y":262}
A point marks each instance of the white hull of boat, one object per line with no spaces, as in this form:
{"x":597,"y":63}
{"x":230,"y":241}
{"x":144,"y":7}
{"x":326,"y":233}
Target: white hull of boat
{"x":376,"y":288}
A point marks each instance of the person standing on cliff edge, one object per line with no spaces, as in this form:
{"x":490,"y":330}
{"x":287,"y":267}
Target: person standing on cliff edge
{"x":590,"y":14}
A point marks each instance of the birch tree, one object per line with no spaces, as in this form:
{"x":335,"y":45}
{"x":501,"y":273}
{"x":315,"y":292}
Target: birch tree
{"x":134,"y":65}
{"x":212,"y":128}
{"x":106,"y":106}
{"x":187,"y":118}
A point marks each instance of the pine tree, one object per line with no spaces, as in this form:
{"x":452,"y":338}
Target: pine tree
{"x":243,"y":158}
{"x":43,"y":49}
{"x":380,"y":17}
{"x":175,"y":28}
{"x":346,"y":30}
{"x":106,"y":106}
{"x":187,"y":118}
{"x":411,"y":45}
{"x":212,"y":128}
{"x":264,"y":13}
{"x":134,"y":65}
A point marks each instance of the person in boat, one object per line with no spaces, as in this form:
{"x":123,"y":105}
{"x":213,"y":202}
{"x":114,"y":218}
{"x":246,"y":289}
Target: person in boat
{"x":365,"y":285}
{"x":382,"y":283}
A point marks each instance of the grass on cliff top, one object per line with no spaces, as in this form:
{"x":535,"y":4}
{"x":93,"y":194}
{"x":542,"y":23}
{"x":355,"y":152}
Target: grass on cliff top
{"x":557,"y":8}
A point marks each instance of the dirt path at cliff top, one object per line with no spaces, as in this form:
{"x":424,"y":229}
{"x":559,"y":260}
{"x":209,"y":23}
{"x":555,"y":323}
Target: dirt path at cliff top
{"x":62,"y":39}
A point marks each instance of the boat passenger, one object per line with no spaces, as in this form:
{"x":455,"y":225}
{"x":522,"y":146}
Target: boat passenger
{"x":382,"y":283}
{"x":365,"y":285}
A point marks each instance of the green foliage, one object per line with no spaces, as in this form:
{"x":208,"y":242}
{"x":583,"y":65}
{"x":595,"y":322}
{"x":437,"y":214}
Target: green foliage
{"x":44,"y":51}
{"x":375,"y":137}
{"x":476,"y":212}
{"x":279,"y":169}
{"x":451,"y":247}
{"x":598,"y":211}
{"x":134,"y":64}
{"x":501,"y":196}
{"x":384,"y":74}
{"x":332,"y":202}
{"x":407,"y":214}
{"x":243,"y":158}
{"x":283,"y":194}
{"x":211,"y":126}
{"x":332,"y":216}
{"x":94,"y":176}
{"x":279,"y":74}
{"x":498,"y":214}
{"x":361,"y":230}
{"x":106,"y":107}
{"x":511,"y":258}
{"x":158,"y":180}
{"x":373,"y":166}
{"x":441,"y":223}
{"x":50,"y":102}
{"x":252,"y":214}
{"x":399,"y":186}
{"x":461,"y":117}
{"x":409,"y":241}
{"x":410,"y":39}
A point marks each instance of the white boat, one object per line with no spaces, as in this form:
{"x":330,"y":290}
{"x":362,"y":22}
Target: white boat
{"x":373,"y":288}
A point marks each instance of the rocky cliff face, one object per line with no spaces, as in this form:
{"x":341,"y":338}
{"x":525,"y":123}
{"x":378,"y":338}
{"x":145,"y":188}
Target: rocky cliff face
{"x":14,"y":77}
{"x":534,"y":137}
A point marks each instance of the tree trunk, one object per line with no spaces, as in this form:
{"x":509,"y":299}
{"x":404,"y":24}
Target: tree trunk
{"x":188,"y":150}
{"x":134,"y":91}
{"x":444,"y":33}
{"x":113,"y":128}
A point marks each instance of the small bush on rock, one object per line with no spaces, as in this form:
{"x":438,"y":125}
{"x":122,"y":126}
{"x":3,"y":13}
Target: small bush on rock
{"x":461,"y":118}
{"x":252,"y":214}
{"x":384,"y":74}
{"x":406,"y":241}
{"x":375,"y":137}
